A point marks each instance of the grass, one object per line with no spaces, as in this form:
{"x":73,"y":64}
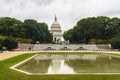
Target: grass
{"x":8,"y":74}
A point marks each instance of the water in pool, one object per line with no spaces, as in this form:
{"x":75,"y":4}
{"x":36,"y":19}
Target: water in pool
{"x":72,"y":64}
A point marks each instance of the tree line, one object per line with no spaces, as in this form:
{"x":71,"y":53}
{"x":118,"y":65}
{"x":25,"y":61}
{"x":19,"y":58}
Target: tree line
{"x":96,"y":30}
{"x":28,"y":31}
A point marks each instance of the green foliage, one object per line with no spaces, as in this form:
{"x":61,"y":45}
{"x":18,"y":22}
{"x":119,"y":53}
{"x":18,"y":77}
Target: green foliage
{"x":100,"y":41}
{"x":2,"y":38}
{"x":115,"y":42}
{"x":118,"y":35}
{"x":28,"y":30}
{"x":10,"y":43}
{"x":97,"y":41}
{"x":92,"y":41}
{"x":69,"y":35}
{"x":37,"y":31}
{"x":24,"y":40}
{"x":99,"y":28}
{"x":0,"y":47}
{"x":10,"y":27}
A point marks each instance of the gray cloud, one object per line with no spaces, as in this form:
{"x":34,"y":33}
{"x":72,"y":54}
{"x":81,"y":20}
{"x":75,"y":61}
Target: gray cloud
{"x":67,"y":11}
{"x":42,"y":2}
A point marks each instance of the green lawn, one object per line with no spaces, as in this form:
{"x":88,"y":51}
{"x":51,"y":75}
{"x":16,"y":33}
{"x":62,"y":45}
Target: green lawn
{"x":8,"y":74}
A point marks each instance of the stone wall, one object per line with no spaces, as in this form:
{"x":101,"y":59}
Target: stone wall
{"x":38,"y":47}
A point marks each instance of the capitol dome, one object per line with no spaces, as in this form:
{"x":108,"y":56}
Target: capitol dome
{"x":56,"y":30}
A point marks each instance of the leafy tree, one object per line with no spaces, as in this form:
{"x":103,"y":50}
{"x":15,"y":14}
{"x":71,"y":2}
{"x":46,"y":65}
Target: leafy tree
{"x":11,"y":27}
{"x":29,"y":29}
{"x":115,"y":42}
{"x":47,"y":36}
{"x":113,"y":28}
{"x":117,"y":35}
{"x":68,"y":35}
{"x":100,"y":28}
{"x":24,"y":40}
{"x":10,"y":43}
{"x":37,"y":31}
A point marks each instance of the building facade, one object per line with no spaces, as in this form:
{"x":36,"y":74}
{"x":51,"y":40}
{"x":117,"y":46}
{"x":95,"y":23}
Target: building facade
{"x":56,"y":31}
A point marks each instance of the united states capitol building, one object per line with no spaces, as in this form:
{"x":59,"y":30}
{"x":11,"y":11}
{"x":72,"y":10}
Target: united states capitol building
{"x":56,"y":31}
{"x":60,"y":43}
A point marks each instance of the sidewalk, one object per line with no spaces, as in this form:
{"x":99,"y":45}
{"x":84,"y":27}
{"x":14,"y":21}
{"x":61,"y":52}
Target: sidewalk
{"x":7,"y":54}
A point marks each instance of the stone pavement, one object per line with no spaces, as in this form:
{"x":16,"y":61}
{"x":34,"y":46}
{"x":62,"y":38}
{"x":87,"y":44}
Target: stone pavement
{"x":9,"y":54}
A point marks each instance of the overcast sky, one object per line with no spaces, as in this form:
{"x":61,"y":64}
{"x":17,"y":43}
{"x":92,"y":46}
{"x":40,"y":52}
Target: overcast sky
{"x":67,"y":11}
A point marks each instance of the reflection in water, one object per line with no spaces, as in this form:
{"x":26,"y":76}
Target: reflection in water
{"x":72,"y":64}
{"x":55,"y":66}
{"x":59,"y":67}
{"x":36,"y":66}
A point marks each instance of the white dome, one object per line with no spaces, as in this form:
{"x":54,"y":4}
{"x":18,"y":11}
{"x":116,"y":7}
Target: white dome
{"x":56,"y":30}
{"x":55,"y":23}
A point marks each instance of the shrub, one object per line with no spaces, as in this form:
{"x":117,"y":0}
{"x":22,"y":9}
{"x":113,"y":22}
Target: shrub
{"x":92,"y":41}
{"x":101,"y":41}
{"x":115,"y":42}
{"x":24,"y":40}
{"x":10,"y":43}
{"x":97,"y":41}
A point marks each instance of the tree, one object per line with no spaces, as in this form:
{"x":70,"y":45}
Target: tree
{"x":115,"y":42}
{"x":37,"y":31}
{"x":45,"y":32}
{"x":11,"y":27}
{"x":113,"y":28}
{"x":100,"y":28}
{"x":10,"y":43}
{"x":24,"y":40}
{"x":68,"y":35}
{"x":29,"y":29}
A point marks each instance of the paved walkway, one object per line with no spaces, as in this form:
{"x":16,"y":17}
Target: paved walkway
{"x":7,"y":54}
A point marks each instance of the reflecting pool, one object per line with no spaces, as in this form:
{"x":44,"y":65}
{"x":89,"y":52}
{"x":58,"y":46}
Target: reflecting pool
{"x":72,"y":64}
